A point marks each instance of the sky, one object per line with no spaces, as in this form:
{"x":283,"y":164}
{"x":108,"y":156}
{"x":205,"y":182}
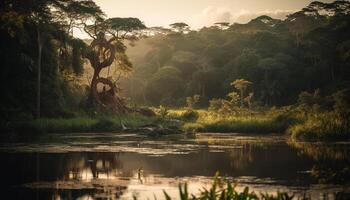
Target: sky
{"x":199,"y":13}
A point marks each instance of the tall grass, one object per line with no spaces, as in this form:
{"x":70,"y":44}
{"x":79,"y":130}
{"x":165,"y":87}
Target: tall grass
{"x":258,"y":123}
{"x":300,"y":125}
{"x":310,"y":125}
{"x":322,"y":126}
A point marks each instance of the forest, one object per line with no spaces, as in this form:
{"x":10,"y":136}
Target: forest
{"x":301,"y":61}
{"x":287,"y":77}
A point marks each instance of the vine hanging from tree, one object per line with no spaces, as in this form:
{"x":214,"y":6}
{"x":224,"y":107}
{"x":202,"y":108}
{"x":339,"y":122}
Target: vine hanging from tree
{"x":107,"y":48}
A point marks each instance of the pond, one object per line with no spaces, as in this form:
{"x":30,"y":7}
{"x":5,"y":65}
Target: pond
{"x":120,"y":166}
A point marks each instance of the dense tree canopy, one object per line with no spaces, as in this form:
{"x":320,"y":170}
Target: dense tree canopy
{"x":40,"y":33}
{"x":306,"y":51}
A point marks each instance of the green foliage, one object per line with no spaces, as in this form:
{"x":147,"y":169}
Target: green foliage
{"x":60,"y":52}
{"x":322,"y":126}
{"x":322,"y":118}
{"x":281,"y":57}
{"x":231,"y":107}
{"x":163,"y":112}
{"x":241,"y":84}
{"x":179,"y":27}
{"x":225,"y":190}
{"x":192,"y":101}
{"x":341,"y":101}
{"x":243,"y":122}
{"x":124,"y":24}
{"x":215,"y":104}
{"x":164,"y":84}
{"x":190,"y":115}
{"x":234,"y":98}
{"x":103,"y":123}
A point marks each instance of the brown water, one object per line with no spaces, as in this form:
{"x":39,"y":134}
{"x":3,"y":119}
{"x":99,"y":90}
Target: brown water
{"x":120,"y":166}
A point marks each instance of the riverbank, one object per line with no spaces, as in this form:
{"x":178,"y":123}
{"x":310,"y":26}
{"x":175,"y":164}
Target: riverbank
{"x":298,"y":124}
{"x":110,"y":123}
{"x":214,"y":122}
{"x":327,"y":126}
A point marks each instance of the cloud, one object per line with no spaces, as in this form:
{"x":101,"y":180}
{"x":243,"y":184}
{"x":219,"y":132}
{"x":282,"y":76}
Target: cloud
{"x":211,"y":15}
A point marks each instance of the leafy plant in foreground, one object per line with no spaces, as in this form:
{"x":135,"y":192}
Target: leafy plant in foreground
{"x":225,"y":190}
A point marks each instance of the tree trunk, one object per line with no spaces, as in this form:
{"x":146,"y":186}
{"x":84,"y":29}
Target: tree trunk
{"x":332,"y":73}
{"x":241,"y":97}
{"x":267,"y":88}
{"x":93,"y":97}
{"x":38,"y":99}
{"x":102,"y":56}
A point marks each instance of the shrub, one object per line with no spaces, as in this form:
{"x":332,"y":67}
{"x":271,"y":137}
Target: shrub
{"x":192,"y":101}
{"x":215,"y":104}
{"x":325,"y":126}
{"x":190,"y":115}
{"x":163,"y":112}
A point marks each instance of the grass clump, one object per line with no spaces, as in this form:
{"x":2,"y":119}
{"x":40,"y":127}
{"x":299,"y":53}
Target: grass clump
{"x":190,"y":115}
{"x":322,"y":118}
{"x":193,"y":127}
{"x":209,"y":121}
{"x":322,"y":126}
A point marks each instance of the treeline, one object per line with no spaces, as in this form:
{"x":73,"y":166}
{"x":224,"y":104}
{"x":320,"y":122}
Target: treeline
{"x":37,"y":54}
{"x":308,"y":50}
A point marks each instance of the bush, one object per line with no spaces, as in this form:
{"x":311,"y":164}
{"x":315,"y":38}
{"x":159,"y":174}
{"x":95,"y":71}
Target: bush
{"x":215,"y":104}
{"x":190,"y":115}
{"x":324,"y":126}
{"x":163,"y":112}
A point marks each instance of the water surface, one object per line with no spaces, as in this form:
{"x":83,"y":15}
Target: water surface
{"x":120,"y":166}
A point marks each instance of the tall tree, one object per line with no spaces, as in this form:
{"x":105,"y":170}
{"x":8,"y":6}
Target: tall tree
{"x":106,"y":48}
{"x":42,"y":17}
{"x":50,"y":17}
{"x":241,"y":85}
{"x":180,"y":27}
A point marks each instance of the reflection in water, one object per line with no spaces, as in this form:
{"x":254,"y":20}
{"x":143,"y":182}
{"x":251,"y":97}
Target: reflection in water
{"x":332,"y":161}
{"x":108,"y":166}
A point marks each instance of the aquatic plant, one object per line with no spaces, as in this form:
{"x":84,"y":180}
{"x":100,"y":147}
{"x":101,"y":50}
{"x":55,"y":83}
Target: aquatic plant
{"x":225,"y":190}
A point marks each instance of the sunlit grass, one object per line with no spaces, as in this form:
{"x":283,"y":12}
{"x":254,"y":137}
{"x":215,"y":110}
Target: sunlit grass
{"x":216,"y":122}
{"x":321,"y":126}
{"x":313,"y":126}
